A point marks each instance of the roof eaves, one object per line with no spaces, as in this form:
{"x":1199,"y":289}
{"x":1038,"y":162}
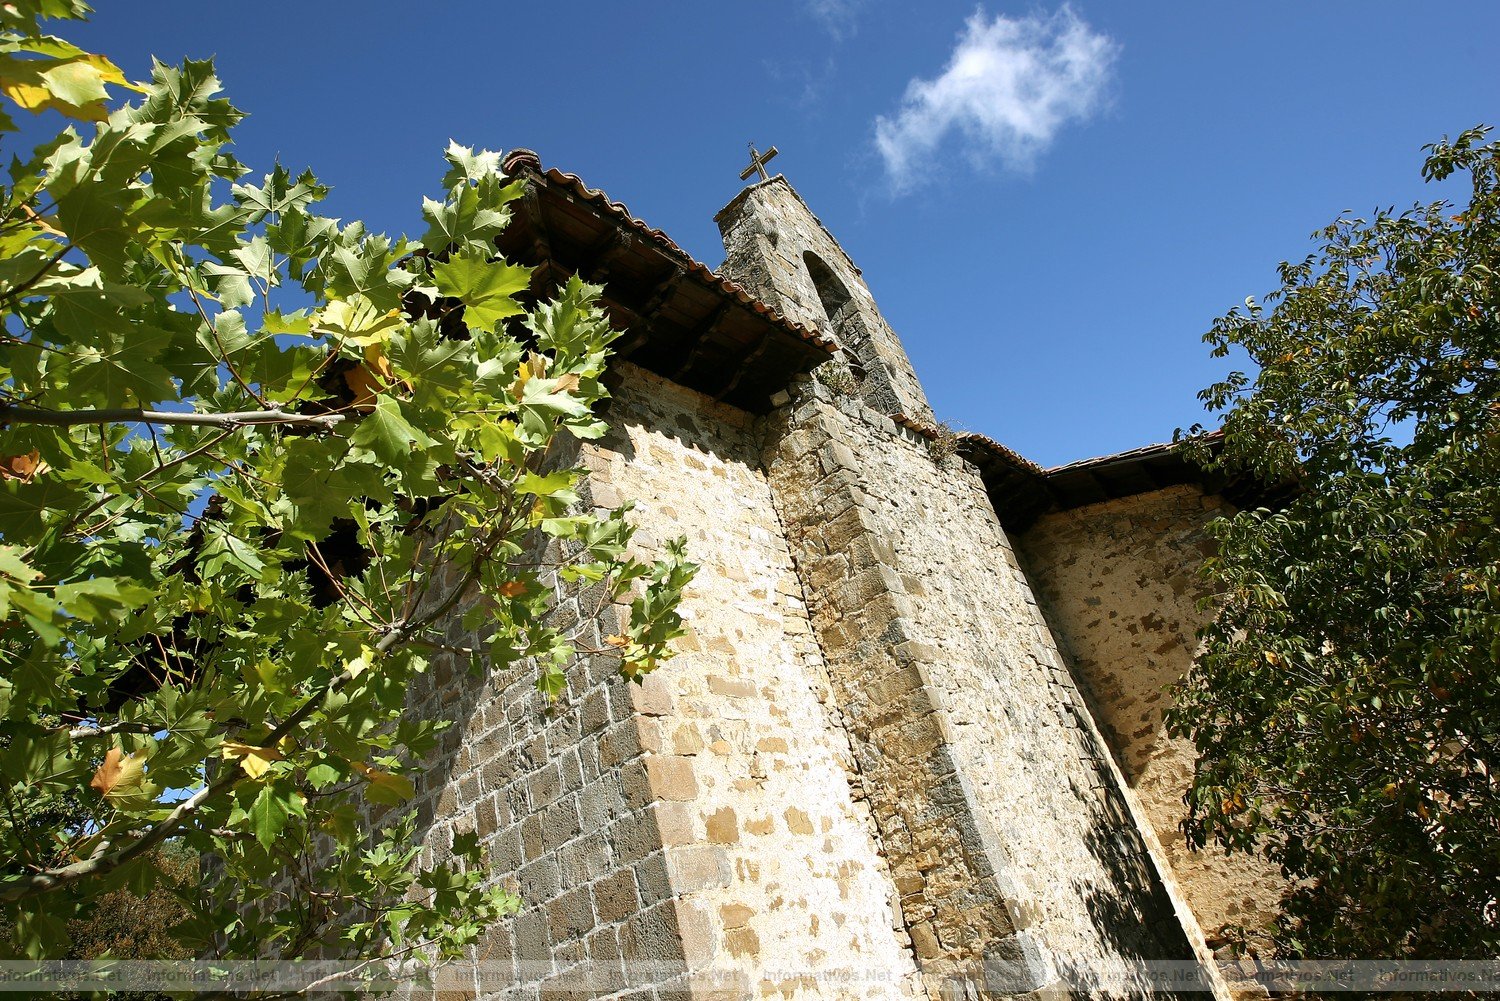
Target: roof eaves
{"x":519,"y":162}
{"x":1133,"y":455}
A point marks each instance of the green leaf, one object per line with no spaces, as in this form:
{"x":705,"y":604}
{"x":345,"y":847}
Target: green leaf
{"x":276,"y":322}
{"x":550,"y":485}
{"x":96,"y":218}
{"x":84,"y":308}
{"x":228,"y":335}
{"x":386,"y":788}
{"x":323,"y":775}
{"x":279,"y":193}
{"x":388,"y":434}
{"x":544,"y":395}
{"x":25,"y":507}
{"x":485,"y":288}
{"x":121,"y":372}
{"x":224,"y":550}
{"x":313,"y":484}
{"x":572,"y":325}
{"x":357,"y":320}
{"x":230,"y":284}
{"x":465,"y":165}
{"x":472,"y":215}
{"x":101,"y":599}
{"x":270,"y":811}
{"x":13,"y":566}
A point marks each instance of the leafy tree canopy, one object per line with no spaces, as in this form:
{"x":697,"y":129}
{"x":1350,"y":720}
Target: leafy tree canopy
{"x":256,"y":462}
{"x":1346,"y":709}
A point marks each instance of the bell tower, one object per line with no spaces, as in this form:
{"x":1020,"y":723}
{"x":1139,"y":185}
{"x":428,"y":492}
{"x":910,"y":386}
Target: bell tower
{"x":782,"y":253}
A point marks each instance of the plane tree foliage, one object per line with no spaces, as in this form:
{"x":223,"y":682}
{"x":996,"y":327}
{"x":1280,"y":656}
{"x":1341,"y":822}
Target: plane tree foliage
{"x":256,"y":464}
{"x":1346,"y":709}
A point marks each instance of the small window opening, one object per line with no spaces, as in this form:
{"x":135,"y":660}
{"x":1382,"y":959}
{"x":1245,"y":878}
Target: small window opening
{"x":831,"y":292}
{"x":836,"y":302}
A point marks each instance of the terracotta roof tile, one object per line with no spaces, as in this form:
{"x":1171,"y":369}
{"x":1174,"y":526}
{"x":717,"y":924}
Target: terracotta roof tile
{"x":972,"y":440}
{"x":522,"y":159}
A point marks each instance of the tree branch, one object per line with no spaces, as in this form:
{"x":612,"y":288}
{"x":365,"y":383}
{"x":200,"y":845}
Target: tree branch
{"x":103,"y":861}
{"x":137,"y":415}
{"x":86,"y":732}
{"x":19,"y":290}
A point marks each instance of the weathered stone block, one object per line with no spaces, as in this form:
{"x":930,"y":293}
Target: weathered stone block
{"x":615,"y":896}
{"x":653,"y":696}
{"x":571,"y":915}
{"x":671,"y":777}
{"x":697,"y":867}
{"x":675,"y":822}
{"x":652,"y":935}
{"x":722,"y":826}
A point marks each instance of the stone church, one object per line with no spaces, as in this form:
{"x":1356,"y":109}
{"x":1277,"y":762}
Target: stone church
{"x":912,"y":746}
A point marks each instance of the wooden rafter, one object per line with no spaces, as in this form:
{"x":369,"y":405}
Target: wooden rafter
{"x":701,"y":335}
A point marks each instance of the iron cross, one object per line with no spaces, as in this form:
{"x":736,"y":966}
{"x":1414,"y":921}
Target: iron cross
{"x":758,"y":163}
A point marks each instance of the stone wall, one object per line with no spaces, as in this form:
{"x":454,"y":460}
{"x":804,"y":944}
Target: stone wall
{"x":703,"y":822}
{"x":1119,"y":585}
{"x":1006,"y":829}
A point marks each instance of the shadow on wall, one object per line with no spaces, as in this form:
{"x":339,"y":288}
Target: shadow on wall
{"x":1151,"y":929}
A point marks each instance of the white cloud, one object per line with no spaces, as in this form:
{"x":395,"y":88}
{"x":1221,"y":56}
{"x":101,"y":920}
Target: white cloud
{"x":837,"y":16}
{"x":1008,"y":88}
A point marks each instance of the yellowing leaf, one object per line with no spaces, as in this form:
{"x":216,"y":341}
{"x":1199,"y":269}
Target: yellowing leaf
{"x":29,"y":95}
{"x":72,"y":85}
{"x":384,"y":787}
{"x":370,"y":379}
{"x":267,"y":672}
{"x":121,"y":778}
{"x":634,"y":669}
{"x":534,"y":367}
{"x":256,"y":761}
{"x":41,"y":222}
{"x":617,"y":640}
{"x":359,"y":665}
{"x":22,"y":467}
{"x":512,"y":589}
{"x":356,"y":320}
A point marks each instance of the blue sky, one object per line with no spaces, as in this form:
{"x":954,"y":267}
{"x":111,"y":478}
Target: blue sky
{"x":1050,"y":204}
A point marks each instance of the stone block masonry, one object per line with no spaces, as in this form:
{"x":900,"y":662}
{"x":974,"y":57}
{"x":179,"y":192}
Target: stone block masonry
{"x":705,"y":822}
{"x":865,"y":775}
